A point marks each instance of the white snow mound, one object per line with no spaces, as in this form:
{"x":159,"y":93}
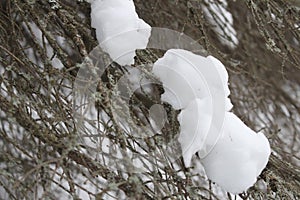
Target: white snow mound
{"x":232,"y":154}
{"x":186,"y":76}
{"x":238,"y":157}
{"x":119,"y":30}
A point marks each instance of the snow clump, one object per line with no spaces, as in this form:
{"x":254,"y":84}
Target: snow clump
{"x":231,"y":153}
{"x":119,"y":29}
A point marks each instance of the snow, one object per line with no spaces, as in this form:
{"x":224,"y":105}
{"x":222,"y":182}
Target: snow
{"x":238,"y":157}
{"x":116,"y":22}
{"x":222,"y":22}
{"x":187,"y":76}
{"x":196,"y":118}
{"x":232,"y":154}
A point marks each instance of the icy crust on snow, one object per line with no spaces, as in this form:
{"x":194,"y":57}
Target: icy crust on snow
{"x":232,"y":154}
{"x":119,"y":30}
